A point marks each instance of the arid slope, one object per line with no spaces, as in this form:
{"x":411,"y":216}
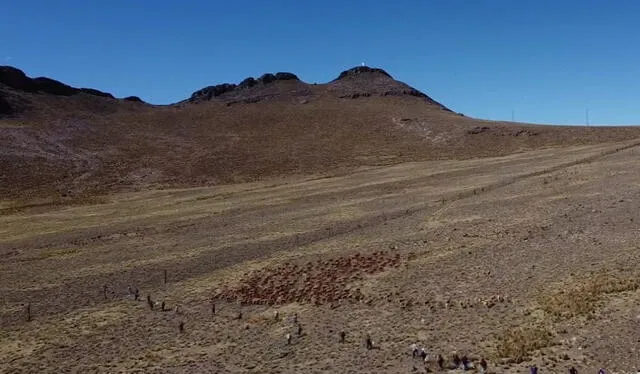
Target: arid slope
{"x":66,"y":143}
{"x":522,"y":259}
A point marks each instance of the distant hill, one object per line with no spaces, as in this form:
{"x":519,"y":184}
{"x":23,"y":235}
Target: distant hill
{"x":353,"y":83}
{"x":60,"y":140}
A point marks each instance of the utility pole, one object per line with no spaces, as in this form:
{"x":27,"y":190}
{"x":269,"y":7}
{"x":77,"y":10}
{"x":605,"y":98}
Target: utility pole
{"x":586,"y":115}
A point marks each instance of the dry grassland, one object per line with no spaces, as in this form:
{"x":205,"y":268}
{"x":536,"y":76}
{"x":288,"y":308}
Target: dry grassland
{"x":521,"y":259}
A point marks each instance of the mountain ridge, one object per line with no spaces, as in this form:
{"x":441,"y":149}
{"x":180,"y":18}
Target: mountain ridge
{"x":361,"y":81}
{"x":57,"y":140}
{"x":17,"y":79}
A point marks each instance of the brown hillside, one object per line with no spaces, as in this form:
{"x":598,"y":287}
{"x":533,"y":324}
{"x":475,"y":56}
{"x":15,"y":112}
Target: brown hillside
{"x":56,"y":139}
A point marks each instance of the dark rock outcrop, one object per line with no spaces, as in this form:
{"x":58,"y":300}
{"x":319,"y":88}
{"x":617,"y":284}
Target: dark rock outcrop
{"x":267,"y":78}
{"x":134,"y":99}
{"x":357,"y":71}
{"x":363,"y":81}
{"x":407,"y":92}
{"x":357,"y":82}
{"x":247,"y":83}
{"x":251,"y":100}
{"x":478,"y":130}
{"x":17,"y":79}
{"x":524,"y":132}
{"x":94,"y":92}
{"x":5,"y":106}
{"x":211,"y":92}
{"x":283,"y":76}
{"x":52,"y":86}
{"x":12,"y":104}
{"x":355,"y":95}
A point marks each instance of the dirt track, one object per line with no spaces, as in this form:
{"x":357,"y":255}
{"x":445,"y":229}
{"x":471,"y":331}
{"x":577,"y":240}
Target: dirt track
{"x":502,"y":232}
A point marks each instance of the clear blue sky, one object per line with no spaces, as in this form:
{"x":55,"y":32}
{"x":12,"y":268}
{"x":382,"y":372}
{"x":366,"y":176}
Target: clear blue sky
{"x":547,"y":60}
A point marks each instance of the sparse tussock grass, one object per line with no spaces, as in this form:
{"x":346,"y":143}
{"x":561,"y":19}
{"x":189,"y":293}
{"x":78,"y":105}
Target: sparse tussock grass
{"x":58,"y":252}
{"x":518,"y":343}
{"x":8,"y":124}
{"x":53,"y":201}
{"x":584,"y":296}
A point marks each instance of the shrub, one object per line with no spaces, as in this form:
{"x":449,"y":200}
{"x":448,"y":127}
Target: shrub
{"x":584,"y":296}
{"x":517,"y":343}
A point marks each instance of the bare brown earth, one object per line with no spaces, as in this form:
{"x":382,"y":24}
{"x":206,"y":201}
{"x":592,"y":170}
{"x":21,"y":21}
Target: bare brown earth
{"x":360,"y":206}
{"x":65,"y":144}
{"x":526,"y":258}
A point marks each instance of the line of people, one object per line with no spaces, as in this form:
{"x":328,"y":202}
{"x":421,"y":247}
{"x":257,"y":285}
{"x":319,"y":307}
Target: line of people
{"x":457,"y":362}
{"x":572,"y":370}
{"x":464,"y":363}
